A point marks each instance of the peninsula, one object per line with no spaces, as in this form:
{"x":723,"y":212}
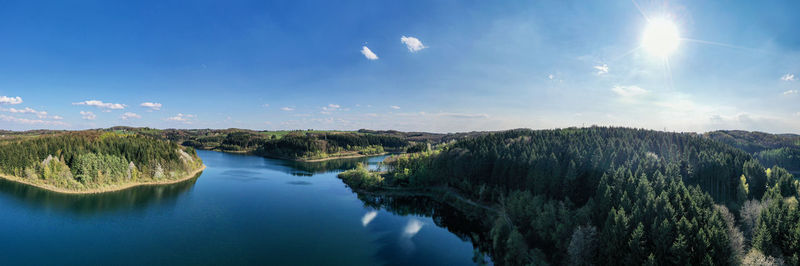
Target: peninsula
{"x":94,"y":161}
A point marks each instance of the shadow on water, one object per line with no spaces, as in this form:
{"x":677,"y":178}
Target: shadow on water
{"x":137,"y":197}
{"x":467,"y":223}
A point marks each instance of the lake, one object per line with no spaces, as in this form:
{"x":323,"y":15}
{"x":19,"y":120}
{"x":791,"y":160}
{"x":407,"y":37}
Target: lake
{"x":241,"y":210}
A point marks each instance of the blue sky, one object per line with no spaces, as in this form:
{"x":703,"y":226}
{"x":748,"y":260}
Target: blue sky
{"x":464,"y":65}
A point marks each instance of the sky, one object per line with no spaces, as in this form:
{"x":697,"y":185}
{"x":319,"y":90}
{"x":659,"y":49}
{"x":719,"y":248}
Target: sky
{"x":438,"y":66}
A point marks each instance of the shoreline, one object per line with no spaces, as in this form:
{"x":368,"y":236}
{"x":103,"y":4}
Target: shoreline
{"x":190,"y":175}
{"x":317,"y":160}
{"x":440,"y":194}
{"x":337,"y":157}
{"x":302,"y":160}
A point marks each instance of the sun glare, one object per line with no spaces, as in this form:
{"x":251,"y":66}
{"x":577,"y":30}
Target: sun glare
{"x":661,"y":37}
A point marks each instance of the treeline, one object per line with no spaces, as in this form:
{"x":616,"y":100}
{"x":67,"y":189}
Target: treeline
{"x":612,"y":196}
{"x":321,"y":145}
{"x":770,"y":149}
{"x":294,"y":144}
{"x":788,"y":158}
{"x":91,"y":159}
{"x":754,"y":141}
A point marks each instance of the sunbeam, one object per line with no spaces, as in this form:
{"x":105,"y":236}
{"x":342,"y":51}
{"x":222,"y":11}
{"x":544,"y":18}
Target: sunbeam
{"x":725,"y":45}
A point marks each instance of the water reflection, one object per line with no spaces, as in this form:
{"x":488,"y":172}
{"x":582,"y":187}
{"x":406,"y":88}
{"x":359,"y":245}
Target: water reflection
{"x":468,"y":224}
{"x":412,"y":228}
{"x":368,"y":217}
{"x":91,"y":204}
{"x":311,"y":168}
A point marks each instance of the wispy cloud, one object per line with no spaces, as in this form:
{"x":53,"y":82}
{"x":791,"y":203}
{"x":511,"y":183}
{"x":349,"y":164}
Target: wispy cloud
{"x":10,"y":100}
{"x":86,"y":115}
{"x":287,"y":109}
{"x":129,"y":115}
{"x":601,"y":69}
{"x":12,"y":119}
{"x":413,"y":44}
{"x":151,"y":105}
{"x":26,"y":110}
{"x":628,"y":91}
{"x":265,"y":105}
{"x":395,"y":107}
{"x":462,"y":115}
{"x":326,"y":110}
{"x":368,"y":53}
{"x":183,"y":118}
{"x":790,"y":92}
{"x":101,"y":104}
{"x":788,"y":77}
{"x":331,"y":107}
{"x":551,"y":76}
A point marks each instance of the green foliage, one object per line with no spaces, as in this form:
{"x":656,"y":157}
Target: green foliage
{"x":90,"y":159}
{"x":771,"y":149}
{"x":361,"y":178}
{"x":787,"y":157}
{"x":650,"y":195}
{"x":778,"y":231}
{"x":312,"y":146}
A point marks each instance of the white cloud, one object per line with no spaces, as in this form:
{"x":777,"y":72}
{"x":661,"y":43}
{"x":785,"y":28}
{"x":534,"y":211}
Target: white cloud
{"x":551,"y":76}
{"x":330,"y":108}
{"x":26,"y":110}
{"x":603,"y":69}
{"x":184,"y":118}
{"x":86,"y":115}
{"x":462,"y":115}
{"x":265,"y":105}
{"x":10,"y":100}
{"x":395,"y":107}
{"x":368,"y":53}
{"x":101,"y":104}
{"x":628,"y":91}
{"x":57,"y":117}
{"x":129,"y":115}
{"x":31,"y":121}
{"x":413,"y":44}
{"x":152,"y":106}
{"x":788,"y":77}
{"x":790,"y":92}
{"x":288,"y":109}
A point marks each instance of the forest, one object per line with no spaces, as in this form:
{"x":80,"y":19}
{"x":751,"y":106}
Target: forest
{"x":611,"y":196}
{"x":93,"y":160}
{"x":770,"y":149}
{"x":291,"y":144}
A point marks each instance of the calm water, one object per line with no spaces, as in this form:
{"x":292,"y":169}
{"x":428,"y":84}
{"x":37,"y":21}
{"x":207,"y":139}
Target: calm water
{"x":241,"y":210}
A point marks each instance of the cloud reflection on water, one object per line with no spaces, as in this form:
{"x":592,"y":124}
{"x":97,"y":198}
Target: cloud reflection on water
{"x":368,"y":217}
{"x":412,"y":228}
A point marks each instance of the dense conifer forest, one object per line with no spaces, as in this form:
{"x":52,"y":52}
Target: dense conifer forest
{"x":90,"y":160}
{"x":612,"y":196}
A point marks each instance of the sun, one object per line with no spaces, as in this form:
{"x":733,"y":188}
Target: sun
{"x":661,"y":37}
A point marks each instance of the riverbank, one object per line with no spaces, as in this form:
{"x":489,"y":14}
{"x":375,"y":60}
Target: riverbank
{"x":338,"y":157}
{"x":309,"y":160}
{"x":48,"y":187}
